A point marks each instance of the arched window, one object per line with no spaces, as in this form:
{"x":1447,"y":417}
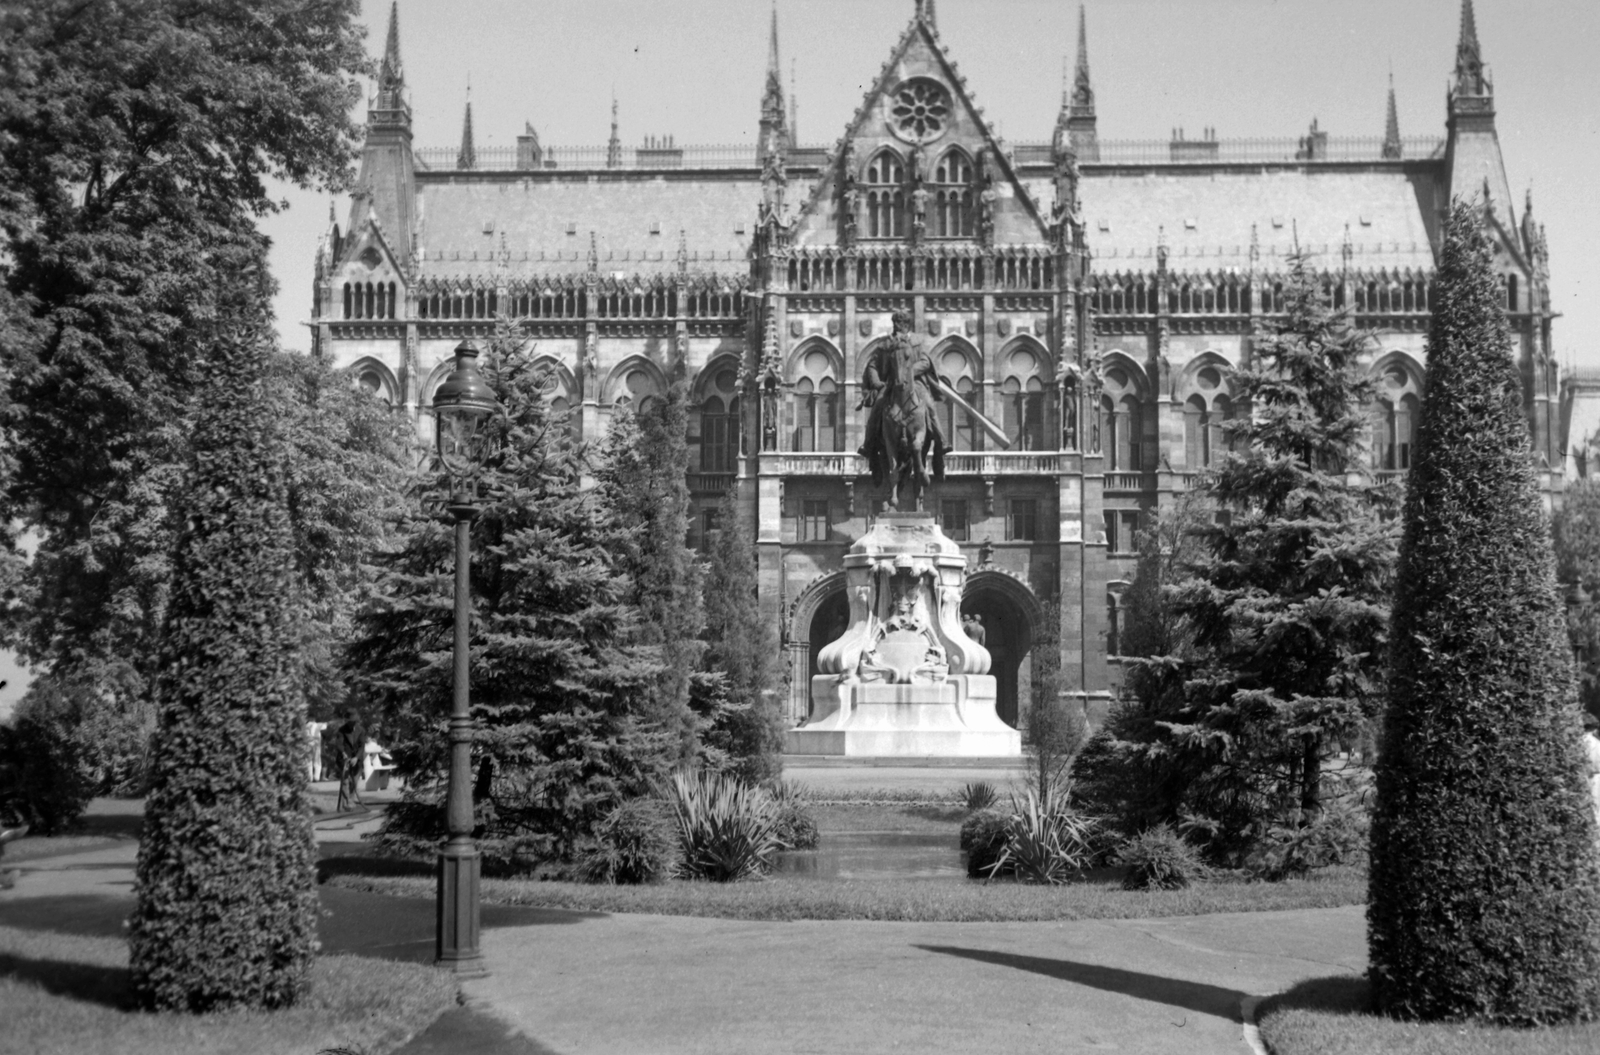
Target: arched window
{"x":347,"y":301}
{"x":637,"y":389}
{"x":1394,"y":420}
{"x":1511,"y":293}
{"x":952,"y":196}
{"x":816,"y":404}
{"x":960,"y":431}
{"x":719,"y":424}
{"x":1204,"y":413}
{"x":886,"y":196}
{"x":1022,"y":400}
{"x":1121,"y":422}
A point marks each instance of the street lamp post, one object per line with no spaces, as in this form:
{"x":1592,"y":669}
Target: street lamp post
{"x":463,"y":408}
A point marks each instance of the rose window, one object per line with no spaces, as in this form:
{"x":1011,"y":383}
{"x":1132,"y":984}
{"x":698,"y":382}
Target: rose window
{"x":920,"y":110}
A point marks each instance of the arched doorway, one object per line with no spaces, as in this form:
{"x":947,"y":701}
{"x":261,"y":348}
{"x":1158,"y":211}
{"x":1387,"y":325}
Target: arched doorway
{"x":828,"y":623}
{"x":1010,"y":615}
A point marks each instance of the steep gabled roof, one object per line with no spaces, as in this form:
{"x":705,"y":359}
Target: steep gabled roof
{"x":920,"y":51}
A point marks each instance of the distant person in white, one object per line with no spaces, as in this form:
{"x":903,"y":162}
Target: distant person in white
{"x":1591,"y":748}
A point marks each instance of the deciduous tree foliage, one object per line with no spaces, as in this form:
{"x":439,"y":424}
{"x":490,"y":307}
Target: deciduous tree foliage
{"x":226,"y":913}
{"x":1485,"y":881}
{"x":741,"y":646}
{"x":137,"y":141}
{"x":1287,"y":611}
{"x":561,"y":682}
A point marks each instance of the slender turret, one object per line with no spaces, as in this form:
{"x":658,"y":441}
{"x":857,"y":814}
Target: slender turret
{"x":1391,"y":127}
{"x":1076,"y":121}
{"x":467,"y":156}
{"x":774,"y":137}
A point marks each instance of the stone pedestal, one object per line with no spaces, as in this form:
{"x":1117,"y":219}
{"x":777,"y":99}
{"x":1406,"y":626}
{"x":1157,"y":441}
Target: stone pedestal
{"x":904,"y":679}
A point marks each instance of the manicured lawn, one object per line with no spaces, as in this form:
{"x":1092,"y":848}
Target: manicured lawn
{"x":888,"y":816}
{"x":1332,"y":1016}
{"x":785,"y":898}
{"x":68,"y":995}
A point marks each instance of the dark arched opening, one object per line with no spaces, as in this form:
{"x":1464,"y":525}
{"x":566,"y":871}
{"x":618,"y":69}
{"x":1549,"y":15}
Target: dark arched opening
{"x":828,"y":624}
{"x":1009,"y":615}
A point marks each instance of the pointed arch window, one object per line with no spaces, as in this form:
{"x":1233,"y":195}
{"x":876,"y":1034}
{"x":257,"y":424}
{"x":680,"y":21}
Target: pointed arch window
{"x":960,"y":431}
{"x":1122,"y":423}
{"x":1204,"y":415}
{"x":1022,"y":401}
{"x":719,"y":424}
{"x":816,"y":404}
{"x":952,"y":196}
{"x":886,"y":196}
{"x":1394,"y":420}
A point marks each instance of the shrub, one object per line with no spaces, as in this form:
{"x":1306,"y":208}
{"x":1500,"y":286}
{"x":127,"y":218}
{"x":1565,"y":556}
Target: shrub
{"x":1159,"y":859}
{"x":98,"y":721}
{"x":977,"y":795}
{"x":1337,"y":834}
{"x":1045,"y":843}
{"x":42,"y":783}
{"x":983,"y":837}
{"x":727,"y":830}
{"x":1485,"y":883}
{"x":634,"y":844}
{"x":227,"y":907}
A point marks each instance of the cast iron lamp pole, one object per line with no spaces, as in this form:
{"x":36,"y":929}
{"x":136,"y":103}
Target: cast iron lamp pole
{"x":462,"y":408}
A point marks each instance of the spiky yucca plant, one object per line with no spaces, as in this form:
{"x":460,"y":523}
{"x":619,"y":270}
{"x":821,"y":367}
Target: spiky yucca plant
{"x":728,"y":829}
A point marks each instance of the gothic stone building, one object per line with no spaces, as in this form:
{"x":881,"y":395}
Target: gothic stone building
{"x":1090,"y":296}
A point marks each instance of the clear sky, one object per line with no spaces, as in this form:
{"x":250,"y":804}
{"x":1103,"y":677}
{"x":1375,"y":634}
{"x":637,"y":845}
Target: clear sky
{"x":694,"y":69}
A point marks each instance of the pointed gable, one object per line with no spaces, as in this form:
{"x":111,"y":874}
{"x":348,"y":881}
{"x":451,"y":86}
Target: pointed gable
{"x":919,"y":119}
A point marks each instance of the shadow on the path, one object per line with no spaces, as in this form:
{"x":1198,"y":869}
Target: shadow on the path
{"x":91,"y":915}
{"x":1342,"y":994}
{"x":1191,"y":996}
{"x":403,"y":928}
{"x":465,"y":1029}
{"x":81,"y":981}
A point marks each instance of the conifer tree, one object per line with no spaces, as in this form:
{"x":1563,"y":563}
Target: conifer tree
{"x":1485,"y":883}
{"x":643,"y":484}
{"x":560,"y":681}
{"x":226,"y":912}
{"x":1288,"y":607}
{"x":743,"y":648}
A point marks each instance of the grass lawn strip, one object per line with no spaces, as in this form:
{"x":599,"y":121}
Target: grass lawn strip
{"x":68,"y":995}
{"x":902,"y":900}
{"x":1331,"y":1016}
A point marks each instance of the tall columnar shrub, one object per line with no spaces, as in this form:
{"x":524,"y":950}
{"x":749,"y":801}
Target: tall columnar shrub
{"x":1485,"y":884}
{"x":226,"y":912}
{"x":642,"y":483}
{"x":741,"y":645}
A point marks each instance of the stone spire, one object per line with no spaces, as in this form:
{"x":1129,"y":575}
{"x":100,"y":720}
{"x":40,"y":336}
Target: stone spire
{"x":614,"y":144}
{"x":1076,"y":122}
{"x":1471,"y":79}
{"x":391,"y":74}
{"x":774,"y":136}
{"x":467,"y":157}
{"x":929,"y":14}
{"x":1391,"y":126}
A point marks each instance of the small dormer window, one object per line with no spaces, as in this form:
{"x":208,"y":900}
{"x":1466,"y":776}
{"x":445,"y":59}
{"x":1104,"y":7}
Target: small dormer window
{"x":488,"y":227}
{"x":655,"y":227}
{"x":1190,"y":224}
{"x":572,"y":228}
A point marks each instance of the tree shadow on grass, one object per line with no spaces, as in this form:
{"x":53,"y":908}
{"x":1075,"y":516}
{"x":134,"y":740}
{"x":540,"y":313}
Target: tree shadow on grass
{"x":405,"y":928}
{"x":91,"y":915}
{"x":110,"y":986}
{"x":1340,"y":994}
{"x":1191,"y":996}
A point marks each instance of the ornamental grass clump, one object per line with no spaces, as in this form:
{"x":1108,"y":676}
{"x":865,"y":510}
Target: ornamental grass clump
{"x":977,"y":795}
{"x":1484,"y":881}
{"x":727,"y":830}
{"x":1159,"y":859}
{"x":1045,"y":842}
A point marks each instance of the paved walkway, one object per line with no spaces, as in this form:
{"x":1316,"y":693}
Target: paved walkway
{"x":569,"y":983}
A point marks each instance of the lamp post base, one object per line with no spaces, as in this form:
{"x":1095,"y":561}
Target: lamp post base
{"x":457,"y":947}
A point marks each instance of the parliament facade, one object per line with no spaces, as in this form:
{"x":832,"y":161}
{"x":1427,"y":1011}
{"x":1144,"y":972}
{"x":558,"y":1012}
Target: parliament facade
{"x":1092,"y":297}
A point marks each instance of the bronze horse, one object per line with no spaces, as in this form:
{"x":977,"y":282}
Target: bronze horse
{"x":907,"y":435}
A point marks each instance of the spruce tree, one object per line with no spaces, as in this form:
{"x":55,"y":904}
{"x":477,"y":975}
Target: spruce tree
{"x":1485,"y":883}
{"x":1288,"y":608}
{"x":226,"y":912}
{"x":643,"y":484}
{"x":742,"y":647}
{"x":560,"y":680}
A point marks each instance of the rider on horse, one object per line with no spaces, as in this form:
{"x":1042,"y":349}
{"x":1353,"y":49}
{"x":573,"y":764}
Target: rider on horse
{"x":903,"y":357}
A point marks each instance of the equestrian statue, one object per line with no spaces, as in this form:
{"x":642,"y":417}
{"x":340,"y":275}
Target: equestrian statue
{"x":904,"y":440}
